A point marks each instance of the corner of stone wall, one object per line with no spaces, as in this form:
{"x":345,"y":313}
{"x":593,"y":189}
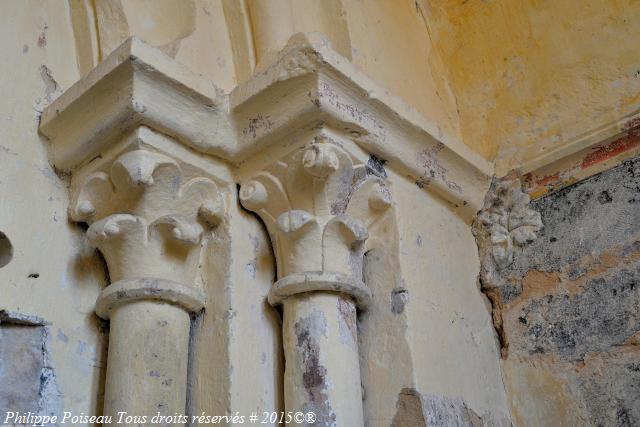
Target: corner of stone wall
{"x":28,"y":376}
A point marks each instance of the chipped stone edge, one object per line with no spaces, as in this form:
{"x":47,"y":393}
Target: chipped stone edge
{"x":298,"y":283}
{"x":416,"y":408}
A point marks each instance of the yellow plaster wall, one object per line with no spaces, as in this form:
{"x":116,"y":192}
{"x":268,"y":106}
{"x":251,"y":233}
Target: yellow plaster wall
{"x":53,"y":274}
{"x":530,"y":75}
{"x":449,"y":323}
{"x":226,"y":39}
{"x":193,"y":32}
{"x":273,"y":22}
{"x":511,"y":79}
{"x":390,"y":42}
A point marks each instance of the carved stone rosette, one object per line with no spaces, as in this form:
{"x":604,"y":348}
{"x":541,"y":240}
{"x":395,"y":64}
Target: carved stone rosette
{"x":150,"y":223}
{"x":318,"y":204}
{"x":505,"y":222}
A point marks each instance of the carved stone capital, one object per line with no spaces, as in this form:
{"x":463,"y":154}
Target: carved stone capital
{"x":131,"y":134}
{"x":317,"y":204}
{"x":149,"y":220}
{"x":307,"y":85}
{"x":505,"y":222}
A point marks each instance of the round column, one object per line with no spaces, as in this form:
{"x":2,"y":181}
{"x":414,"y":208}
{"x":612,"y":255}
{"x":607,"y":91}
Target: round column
{"x":151,"y":223}
{"x":148,"y":348}
{"x":318,"y":206}
{"x":147,"y":360}
{"x":322,"y":370}
{"x":320,"y":336}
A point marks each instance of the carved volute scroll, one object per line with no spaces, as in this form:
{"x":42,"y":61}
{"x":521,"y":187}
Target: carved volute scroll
{"x":146,"y":141}
{"x":317,"y":206}
{"x":149,"y":222}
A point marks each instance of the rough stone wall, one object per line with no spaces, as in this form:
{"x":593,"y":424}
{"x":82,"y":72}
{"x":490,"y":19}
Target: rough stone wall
{"x":568,"y":307}
{"x":28,"y":380}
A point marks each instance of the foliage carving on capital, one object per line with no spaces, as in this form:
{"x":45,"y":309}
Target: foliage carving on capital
{"x":145,"y":217}
{"x":318,"y":205}
{"x":505,"y":222}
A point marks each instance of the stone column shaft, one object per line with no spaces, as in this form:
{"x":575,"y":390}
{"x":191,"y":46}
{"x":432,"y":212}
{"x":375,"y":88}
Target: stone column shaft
{"x":322,"y":373}
{"x":150,"y":222}
{"x":317,"y":206}
{"x":147,"y":360}
{"x":151,"y":204}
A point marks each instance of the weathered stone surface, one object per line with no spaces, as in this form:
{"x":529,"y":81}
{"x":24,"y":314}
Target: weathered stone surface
{"x":568,"y":307}
{"x":446,"y":331}
{"x":445,"y":412}
{"x":409,"y":409}
{"x":21,"y":365}
{"x":321,"y":207}
{"x":587,"y":218}
{"x":604,"y":314}
{"x":504,"y":226}
{"x":415,"y":409}
{"x":610,"y":385}
{"x":27,"y":380}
